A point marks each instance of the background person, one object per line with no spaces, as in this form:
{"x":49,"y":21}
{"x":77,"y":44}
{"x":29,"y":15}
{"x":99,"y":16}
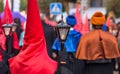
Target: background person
{"x":98,"y":48}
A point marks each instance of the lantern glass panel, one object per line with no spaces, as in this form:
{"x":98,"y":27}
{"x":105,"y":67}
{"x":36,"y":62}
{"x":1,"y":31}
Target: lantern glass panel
{"x":7,"y":30}
{"x":63,"y":33}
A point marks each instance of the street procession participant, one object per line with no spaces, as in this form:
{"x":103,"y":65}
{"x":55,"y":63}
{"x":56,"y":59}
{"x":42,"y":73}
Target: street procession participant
{"x":71,"y":41}
{"x":98,"y":48}
{"x":70,"y":44}
{"x":33,"y":57}
{"x":4,"y":69}
{"x":117,"y":61}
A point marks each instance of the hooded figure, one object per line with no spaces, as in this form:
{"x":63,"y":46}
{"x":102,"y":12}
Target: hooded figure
{"x":70,"y":44}
{"x":12,"y":39}
{"x":3,"y":58}
{"x":33,"y":57}
{"x":72,"y":38}
{"x":98,"y":48}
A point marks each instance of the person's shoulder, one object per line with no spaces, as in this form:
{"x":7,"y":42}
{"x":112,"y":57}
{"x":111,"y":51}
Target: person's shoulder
{"x":108,"y":34}
{"x":87,"y":36}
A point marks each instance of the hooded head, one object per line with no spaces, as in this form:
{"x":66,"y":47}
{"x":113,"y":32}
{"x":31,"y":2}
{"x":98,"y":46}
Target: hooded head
{"x":98,"y":19}
{"x":71,"y":20}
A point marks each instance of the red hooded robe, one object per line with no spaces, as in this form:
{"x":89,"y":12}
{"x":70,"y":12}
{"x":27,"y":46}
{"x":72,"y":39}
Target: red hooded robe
{"x":33,"y":57}
{"x":8,"y":19}
{"x":2,"y":40}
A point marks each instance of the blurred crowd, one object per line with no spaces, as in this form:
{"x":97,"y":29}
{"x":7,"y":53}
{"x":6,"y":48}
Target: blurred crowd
{"x":92,"y":45}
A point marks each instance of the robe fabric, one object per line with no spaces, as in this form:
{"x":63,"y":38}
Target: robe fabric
{"x":2,"y":41}
{"x":71,"y":42}
{"x":33,"y":57}
{"x":97,"y":44}
{"x":15,"y":41}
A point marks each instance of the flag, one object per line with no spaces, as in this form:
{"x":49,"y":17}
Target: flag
{"x":85,"y":27}
{"x":7,"y":17}
{"x":33,"y":57}
{"x":78,"y":17}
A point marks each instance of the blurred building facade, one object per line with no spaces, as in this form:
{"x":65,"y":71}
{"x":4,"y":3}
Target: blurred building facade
{"x":91,"y":6}
{"x":93,"y":3}
{"x":13,"y":4}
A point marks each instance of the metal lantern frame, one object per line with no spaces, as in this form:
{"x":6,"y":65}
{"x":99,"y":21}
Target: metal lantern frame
{"x":62,"y":27}
{"x":7,"y":26}
{"x":62,"y":31}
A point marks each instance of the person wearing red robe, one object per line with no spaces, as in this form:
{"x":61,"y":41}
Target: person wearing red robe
{"x":11,"y":40}
{"x":33,"y":57}
{"x":4,"y":69}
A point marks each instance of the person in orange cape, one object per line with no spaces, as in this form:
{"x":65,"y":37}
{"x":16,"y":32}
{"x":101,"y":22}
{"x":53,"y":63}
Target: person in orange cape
{"x":33,"y":57}
{"x":98,"y":48}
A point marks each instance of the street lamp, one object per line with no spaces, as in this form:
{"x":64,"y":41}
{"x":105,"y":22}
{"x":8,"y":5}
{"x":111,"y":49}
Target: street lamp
{"x":62,"y":31}
{"x":7,"y":29}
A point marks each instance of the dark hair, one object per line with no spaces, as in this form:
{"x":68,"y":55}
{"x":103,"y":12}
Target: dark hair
{"x":97,"y":26}
{"x":17,"y":21}
{"x":112,"y":19}
{"x":118,"y":25}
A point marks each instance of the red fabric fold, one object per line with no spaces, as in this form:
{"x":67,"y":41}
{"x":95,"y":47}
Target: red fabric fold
{"x":15,"y":41}
{"x":33,"y":57}
{"x":2,"y":40}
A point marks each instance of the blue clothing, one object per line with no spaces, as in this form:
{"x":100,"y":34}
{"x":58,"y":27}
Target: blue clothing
{"x":21,"y":39}
{"x":71,"y":42}
{"x":104,"y":27}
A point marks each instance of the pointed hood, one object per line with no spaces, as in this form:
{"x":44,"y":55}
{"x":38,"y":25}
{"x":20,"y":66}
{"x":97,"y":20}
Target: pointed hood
{"x":108,"y":22}
{"x":85,"y":27}
{"x":34,"y":29}
{"x":33,"y":57}
{"x":78,"y":17}
{"x":7,"y":17}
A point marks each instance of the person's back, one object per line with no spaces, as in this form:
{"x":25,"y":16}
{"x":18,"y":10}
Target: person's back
{"x":49,"y":36}
{"x":100,"y":45}
{"x":98,"y":48}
